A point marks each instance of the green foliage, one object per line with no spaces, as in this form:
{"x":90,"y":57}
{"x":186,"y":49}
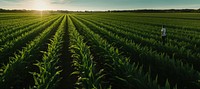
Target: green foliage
{"x":88,"y":76}
{"x":48,"y":76}
{"x":148,"y":57}
{"x":109,"y":50}
{"x":17,"y":65}
{"x":121,"y":73}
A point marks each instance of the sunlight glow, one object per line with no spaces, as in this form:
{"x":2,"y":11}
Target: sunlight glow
{"x":41,"y":5}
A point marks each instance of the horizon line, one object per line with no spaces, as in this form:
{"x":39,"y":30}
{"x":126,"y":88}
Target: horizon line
{"x":107,"y":10}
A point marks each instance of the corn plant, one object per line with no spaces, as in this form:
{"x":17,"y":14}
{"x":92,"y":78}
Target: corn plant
{"x":89,"y":77}
{"x":18,"y":63}
{"x":194,"y":75}
{"x":121,"y":72}
{"x":179,"y":53}
{"x":49,"y":71}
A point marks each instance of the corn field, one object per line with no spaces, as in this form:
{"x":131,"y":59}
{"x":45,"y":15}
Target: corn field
{"x":99,"y":51}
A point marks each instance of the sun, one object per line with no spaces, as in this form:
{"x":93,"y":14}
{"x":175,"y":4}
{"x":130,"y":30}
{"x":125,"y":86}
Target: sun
{"x":40,"y":5}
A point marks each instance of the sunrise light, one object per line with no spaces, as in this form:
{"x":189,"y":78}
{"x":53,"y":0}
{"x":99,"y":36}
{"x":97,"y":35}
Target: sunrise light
{"x":40,"y":5}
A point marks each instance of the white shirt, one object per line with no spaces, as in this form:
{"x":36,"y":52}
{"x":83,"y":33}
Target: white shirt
{"x":163,"y":31}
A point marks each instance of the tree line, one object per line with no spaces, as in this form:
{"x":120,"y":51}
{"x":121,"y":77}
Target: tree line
{"x":137,"y":11}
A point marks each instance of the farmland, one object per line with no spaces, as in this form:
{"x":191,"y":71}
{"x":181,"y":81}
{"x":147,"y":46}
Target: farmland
{"x":99,"y":51}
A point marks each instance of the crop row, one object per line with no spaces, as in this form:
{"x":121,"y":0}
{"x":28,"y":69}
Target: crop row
{"x":120,"y":72}
{"x":14,"y":32}
{"x":20,"y":63}
{"x":159,"y":64}
{"x":12,"y":23}
{"x":173,"y":33}
{"x":49,"y":70}
{"x":103,"y":53}
{"x":9,"y":47}
{"x":189,"y":25}
{"x":180,"y":53}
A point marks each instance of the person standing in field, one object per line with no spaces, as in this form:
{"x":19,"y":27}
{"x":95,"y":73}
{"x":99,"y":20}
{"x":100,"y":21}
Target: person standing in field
{"x":163,"y":34}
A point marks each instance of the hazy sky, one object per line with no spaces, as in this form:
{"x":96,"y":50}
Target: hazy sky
{"x":99,"y":4}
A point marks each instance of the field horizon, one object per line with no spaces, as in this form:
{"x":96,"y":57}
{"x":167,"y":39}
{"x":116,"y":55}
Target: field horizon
{"x":169,"y":10}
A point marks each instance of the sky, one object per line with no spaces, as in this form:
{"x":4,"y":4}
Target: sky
{"x":99,"y":5}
